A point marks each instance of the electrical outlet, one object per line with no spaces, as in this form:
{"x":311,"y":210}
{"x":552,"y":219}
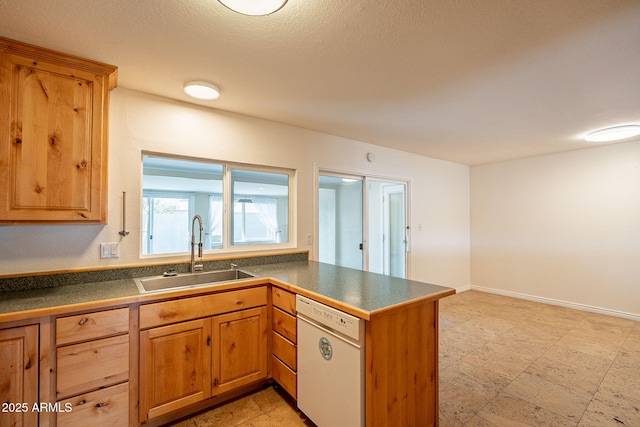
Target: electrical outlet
{"x":109,"y":250}
{"x":309,"y":239}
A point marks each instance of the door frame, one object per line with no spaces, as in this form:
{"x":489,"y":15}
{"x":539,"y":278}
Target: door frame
{"x":366,"y":176}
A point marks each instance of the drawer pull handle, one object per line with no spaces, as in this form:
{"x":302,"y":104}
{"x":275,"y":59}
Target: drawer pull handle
{"x":83,"y":321}
{"x":82,"y":402}
{"x":102,"y":404}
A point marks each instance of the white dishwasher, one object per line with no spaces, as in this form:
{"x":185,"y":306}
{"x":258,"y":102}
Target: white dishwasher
{"x":330,"y":365}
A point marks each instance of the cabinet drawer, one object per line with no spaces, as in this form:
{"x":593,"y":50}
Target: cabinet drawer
{"x":284,"y":300}
{"x":88,"y":326}
{"x":164,"y":313}
{"x":91,"y":365}
{"x":107,"y":407}
{"x":285,"y":325}
{"x":284,"y":350}
{"x":284,"y":376}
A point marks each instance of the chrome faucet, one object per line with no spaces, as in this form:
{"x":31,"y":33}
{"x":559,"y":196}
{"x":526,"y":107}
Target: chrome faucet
{"x":196,"y":267}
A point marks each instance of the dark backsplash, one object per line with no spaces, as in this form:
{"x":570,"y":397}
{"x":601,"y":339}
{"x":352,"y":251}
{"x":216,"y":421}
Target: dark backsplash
{"x":73,"y":278}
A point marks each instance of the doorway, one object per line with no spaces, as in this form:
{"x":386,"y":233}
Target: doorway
{"x":362,"y":223}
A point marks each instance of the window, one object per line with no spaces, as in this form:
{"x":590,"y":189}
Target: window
{"x":260,"y":207}
{"x":176,"y":189}
{"x":165,"y":223}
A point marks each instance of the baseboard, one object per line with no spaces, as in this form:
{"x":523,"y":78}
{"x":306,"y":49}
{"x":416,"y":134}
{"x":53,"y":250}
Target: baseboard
{"x":463,"y":288}
{"x":552,"y":301}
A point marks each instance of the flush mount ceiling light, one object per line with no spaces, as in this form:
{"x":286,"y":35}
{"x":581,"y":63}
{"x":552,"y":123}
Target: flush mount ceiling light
{"x":254,"y":7}
{"x":614,"y":133}
{"x":203,"y":91}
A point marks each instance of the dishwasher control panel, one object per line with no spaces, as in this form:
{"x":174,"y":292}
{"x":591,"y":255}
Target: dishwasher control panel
{"x":329,"y":317}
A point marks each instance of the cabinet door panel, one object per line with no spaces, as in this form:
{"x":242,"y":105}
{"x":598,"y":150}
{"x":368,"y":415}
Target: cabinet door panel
{"x":52,"y":163}
{"x":53,"y":135}
{"x":19,"y":374}
{"x":175,"y":367}
{"x":239,"y":349}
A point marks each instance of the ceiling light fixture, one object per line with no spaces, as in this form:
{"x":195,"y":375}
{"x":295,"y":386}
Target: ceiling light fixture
{"x":614,"y":133}
{"x":254,"y":7}
{"x":203,"y":91}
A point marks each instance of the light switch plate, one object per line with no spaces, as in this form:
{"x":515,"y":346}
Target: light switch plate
{"x":109,"y":250}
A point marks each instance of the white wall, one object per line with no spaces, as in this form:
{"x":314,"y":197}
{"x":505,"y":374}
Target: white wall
{"x":440,"y":189}
{"x":564,"y":227}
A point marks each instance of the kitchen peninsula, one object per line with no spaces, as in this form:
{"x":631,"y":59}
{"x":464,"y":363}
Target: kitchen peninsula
{"x":401,"y":317}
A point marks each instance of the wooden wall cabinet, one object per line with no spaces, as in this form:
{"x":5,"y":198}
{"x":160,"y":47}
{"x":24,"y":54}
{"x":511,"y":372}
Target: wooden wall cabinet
{"x":53,"y":135}
{"x":19,"y":376}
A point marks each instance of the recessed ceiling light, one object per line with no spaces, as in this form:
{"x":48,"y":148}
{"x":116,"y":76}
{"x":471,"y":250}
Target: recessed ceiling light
{"x":254,"y":7}
{"x":203,"y":91}
{"x":614,"y":133}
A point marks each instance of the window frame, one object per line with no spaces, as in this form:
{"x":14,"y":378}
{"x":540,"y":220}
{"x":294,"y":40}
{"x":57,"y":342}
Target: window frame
{"x":227,"y":205}
{"x":231,"y":194}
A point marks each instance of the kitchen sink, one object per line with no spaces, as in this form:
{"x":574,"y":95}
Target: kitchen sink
{"x":162,"y":283}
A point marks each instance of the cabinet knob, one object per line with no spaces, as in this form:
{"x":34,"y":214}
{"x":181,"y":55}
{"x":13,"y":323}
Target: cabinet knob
{"x":83,"y":321}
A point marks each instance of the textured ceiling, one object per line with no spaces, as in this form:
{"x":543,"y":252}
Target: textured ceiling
{"x":471,"y":81}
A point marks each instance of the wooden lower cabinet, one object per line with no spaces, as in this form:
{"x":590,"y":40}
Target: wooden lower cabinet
{"x":285,"y":376}
{"x":402,"y":367}
{"x":104,"y":407}
{"x":93,"y":361}
{"x":239,"y":349}
{"x":284,"y":336}
{"x":92,"y":365}
{"x":185,"y":363}
{"x":19,"y":375}
{"x":175,"y":367}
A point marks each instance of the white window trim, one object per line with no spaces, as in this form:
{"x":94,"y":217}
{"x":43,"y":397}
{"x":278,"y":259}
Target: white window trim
{"x":227,"y":248}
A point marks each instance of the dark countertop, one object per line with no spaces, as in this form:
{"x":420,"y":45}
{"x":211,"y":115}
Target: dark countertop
{"x":368,"y":292}
{"x":359,"y":292}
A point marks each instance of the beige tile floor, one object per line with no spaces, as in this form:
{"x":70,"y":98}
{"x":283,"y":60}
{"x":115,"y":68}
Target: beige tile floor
{"x":268,"y":407}
{"x":504,"y":362}
{"x":510,"y":362}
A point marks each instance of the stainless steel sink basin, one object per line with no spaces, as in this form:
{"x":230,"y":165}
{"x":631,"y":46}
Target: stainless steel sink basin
{"x":162,"y":283}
